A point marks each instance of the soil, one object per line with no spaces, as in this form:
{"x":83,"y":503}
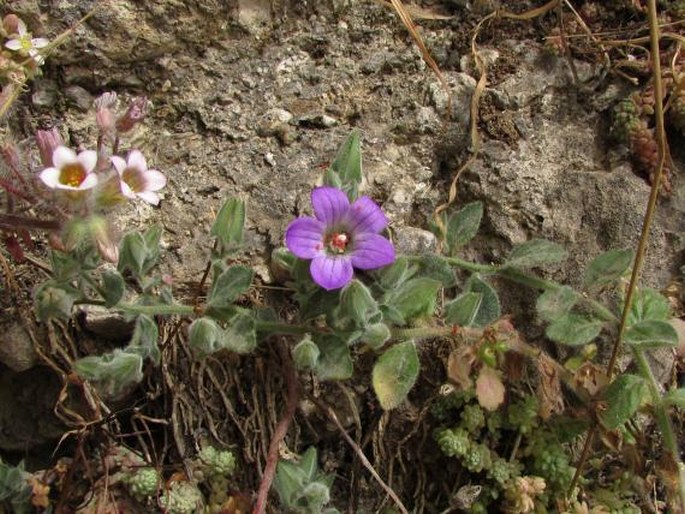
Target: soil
{"x":251,"y":99}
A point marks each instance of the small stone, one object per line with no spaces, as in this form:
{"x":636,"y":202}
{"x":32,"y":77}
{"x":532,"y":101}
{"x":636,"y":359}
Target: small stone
{"x":273,"y":122}
{"x":106,"y":324}
{"x":16,"y":348}
{"x":269,"y":159}
{"x":79,"y":98}
{"x":321,"y":121}
{"x":45,"y":94}
{"x":414,"y":241}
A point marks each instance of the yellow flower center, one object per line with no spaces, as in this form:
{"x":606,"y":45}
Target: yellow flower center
{"x":72,"y":175}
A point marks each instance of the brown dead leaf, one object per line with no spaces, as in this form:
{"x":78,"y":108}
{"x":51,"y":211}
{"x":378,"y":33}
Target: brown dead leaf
{"x":590,"y":378}
{"x":549,"y":387}
{"x":489,"y":388}
{"x":459,"y":364}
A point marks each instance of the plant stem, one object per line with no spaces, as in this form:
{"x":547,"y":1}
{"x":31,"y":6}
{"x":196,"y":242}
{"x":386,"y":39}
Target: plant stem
{"x":532,"y":281}
{"x":662,"y":419}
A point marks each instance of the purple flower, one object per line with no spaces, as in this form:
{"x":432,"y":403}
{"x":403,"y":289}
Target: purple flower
{"x":70,"y":171}
{"x":340,"y":237}
{"x":136,"y":179}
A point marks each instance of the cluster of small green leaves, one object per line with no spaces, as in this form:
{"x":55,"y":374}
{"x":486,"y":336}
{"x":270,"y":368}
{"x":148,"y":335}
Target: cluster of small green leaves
{"x":302,"y":488}
{"x":15,"y":492}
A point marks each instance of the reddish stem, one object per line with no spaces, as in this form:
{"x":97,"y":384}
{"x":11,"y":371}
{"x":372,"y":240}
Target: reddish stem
{"x":280,"y":431}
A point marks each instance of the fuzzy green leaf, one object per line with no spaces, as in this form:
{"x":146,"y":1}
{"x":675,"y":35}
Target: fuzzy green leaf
{"x":144,"y":340}
{"x":395,"y":373}
{"x":675,"y":397}
{"x":555,"y":303}
{"x":227,"y":287}
{"x":240,"y":335}
{"x":489,"y":309}
{"x":229,"y":225}
{"x":535,"y":252}
{"x":651,"y":334}
{"x":463,"y":310}
{"x":112,"y":372}
{"x":376,"y":335}
{"x":205,"y":336}
{"x":608,"y":267}
{"x":648,"y":304}
{"x":573,"y":329}
{"x":463,"y":225}
{"x":623,"y":397}
{"x":335,"y":362}
{"x":347,"y":166}
{"x":414,"y":299}
{"x":54,"y":301}
{"x":112,"y":287}
{"x":437,"y":268}
{"x":357,"y":305}
{"x":306,"y":354}
{"x":393,"y":276}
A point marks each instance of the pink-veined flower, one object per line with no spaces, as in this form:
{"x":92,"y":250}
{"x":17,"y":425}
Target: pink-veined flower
{"x":25,"y":44}
{"x":136,"y":179}
{"x":69,"y":171}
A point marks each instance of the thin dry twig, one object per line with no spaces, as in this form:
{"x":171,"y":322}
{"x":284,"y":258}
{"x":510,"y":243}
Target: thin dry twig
{"x":358,"y":451}
{"x":280,"y":431}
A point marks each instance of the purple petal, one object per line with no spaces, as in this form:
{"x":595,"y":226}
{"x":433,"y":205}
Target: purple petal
{"x":331,"y":272}
{"x":304,"y":237}
{"x":366,"y":216}
{"x":330,"y":204}
{"x":372,"y":251}
{"x":13,"y":44}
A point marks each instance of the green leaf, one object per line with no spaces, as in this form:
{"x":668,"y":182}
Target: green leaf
{"x":139,"y":252}
{"x":393,"y":276}
{"x":241,"y":334}
{"x":463,"y":225}
{"x":463,"y":310}
{"x":555,"y":303}
{"x":357,"y":306}
{"x":489,"y":309}
{"x":535,"y":252}
{"x":608,"y":267}
{"x":395,"y":373}
{"x":205,"y":336}
{"x":112,"y":373}
{"x":229,"y":225}
{"x":348,"y":166}
{"x":54,"y":301}
{"x":437,"y":268}
{"x":573,"y":329}
{"x":623,"y":397}
{"x":675,"y":397}
{"x":414,"y":299}
{"x":648,"y":304}
{"x":651,"y":334}
{"x":305,"y":354}
{"x":226,"y":288}
{"x":376,"y":335}
{"x":335,"y":362}
{"x":112,"y":287}
{"x":144,"y":340}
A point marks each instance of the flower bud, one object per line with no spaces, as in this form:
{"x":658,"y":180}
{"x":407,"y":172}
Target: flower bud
{"x":10,"y":24}
{"x":104,"y":115}
{"x":48,"y":141}
{"x":305,"y":354}
{"x":136,"y":112}
{"x":100,"y":233}
{"x":10,"y":154}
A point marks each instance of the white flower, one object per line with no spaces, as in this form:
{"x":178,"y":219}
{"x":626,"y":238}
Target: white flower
{"x":26,"y":45}
{"x":136,"y":179}
{"x":70,"y":171}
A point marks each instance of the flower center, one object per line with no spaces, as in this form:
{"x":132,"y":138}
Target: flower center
{"x":72,"y":175}
{"x":337,"y":242}
{"x":26,"y":43}
{"x":133,"y":179}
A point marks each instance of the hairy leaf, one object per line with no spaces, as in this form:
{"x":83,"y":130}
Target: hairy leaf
{"x":229,"y":225}
{"x":608,"y":267}
{"x":395,"y":373}
{"x":535,"y":252}
{"x":335,"y":362}
{"x":463,"y":310}
{"x":144,"y":340}
{"x":555,"y":303}
{"x":648,"y":304}
{"x":463,"y":225}
{"x":651,"y":334}
{"x":489,"y":309}
{"x":623,"y":397}
{"x":573,"y":329}
{"x":347,"y":166}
